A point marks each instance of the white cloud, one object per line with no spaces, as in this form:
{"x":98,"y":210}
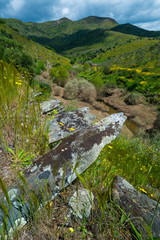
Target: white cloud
{"x":150,"y":25}
{"x":140,"y":12}
{"x":65,"y":11}
{"x":16,"y":5}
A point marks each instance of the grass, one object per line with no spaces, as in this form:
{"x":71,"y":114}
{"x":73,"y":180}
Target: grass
{"x":22,"y":128}
{"x":24,"y":136}
{"x":135,"y":159}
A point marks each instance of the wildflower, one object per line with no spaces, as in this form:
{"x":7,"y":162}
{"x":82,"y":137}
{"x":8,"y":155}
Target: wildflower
{"x":142,"y":190}
{"x":110,"y":147}
{"x":18,"y":83}
{"x":65,"y":218}
{"x":143,"y":82}
{"x":72,"y":129}
{"x":61,"y":123}
{"x":71,"y":230}
{"x":50,"y":204}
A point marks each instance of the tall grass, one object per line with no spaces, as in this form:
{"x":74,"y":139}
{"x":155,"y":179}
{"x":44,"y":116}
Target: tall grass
{"x":21,"y":125}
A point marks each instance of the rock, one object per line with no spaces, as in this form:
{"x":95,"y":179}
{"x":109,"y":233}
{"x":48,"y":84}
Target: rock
{"x":139,"y":207}
{"x":81,"y":203}
{"x":59,"y":167}
{"x":48,"y":106}
{"x":65,"y":124}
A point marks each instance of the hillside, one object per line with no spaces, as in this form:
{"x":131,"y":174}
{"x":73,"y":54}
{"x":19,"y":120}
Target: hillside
{"x":11,"y":38}
{"x":134,"y":30}
{"x":60,"y":27}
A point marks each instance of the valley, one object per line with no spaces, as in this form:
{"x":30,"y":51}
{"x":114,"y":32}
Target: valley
{"x":93,"y":63}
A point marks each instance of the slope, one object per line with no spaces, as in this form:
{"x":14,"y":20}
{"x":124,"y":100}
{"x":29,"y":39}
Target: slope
{"x":134,"y":30}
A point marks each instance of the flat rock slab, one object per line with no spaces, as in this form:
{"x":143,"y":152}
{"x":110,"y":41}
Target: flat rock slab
{"x":59,"y":167}
{"x":138,"y":206}
{"x":65,"y":124}
{"x":48,"y":106}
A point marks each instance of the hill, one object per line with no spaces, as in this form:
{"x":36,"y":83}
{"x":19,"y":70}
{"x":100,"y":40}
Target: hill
{"x":134,"y":30}
{"x":14,"y":47}
{"x":60,"y":27}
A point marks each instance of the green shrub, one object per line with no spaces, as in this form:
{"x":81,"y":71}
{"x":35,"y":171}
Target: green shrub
{"x":44,"y":87}
{"x":2,"y":21}
{"x":59,"y":74}
{"x":39,"y":68}
{"x":80,"y":89}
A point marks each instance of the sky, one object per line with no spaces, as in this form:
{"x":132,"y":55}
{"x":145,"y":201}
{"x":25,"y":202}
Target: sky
{"x":142,"y":13}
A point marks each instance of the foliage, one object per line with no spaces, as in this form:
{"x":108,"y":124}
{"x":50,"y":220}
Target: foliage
{"x":137,"y":161}
{"x":80,"y":89}
{"x":59,"y":74}
{"x":45,"y":88}
{"x":134,"y":30}
{"x":39,"y":68}
{"x":20,"y":120}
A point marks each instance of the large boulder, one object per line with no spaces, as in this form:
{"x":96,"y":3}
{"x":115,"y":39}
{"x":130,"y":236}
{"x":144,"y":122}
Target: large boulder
{"x":59,"y":167}
{"x":67,"y":123}
{"x":139,"y":207}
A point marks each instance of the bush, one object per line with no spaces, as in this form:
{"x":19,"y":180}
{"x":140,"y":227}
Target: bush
{"x":39,"y":68}
{"x":134,"y":98}
{"x":59,"y":75}
{"x":45,"y":88}
{"x":80,"y":89}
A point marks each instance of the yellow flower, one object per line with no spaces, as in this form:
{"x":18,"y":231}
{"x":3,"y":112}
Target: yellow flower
{"x":110,"y":147}
{"x":143,"y":82}
{"x":18,"y":83}
{"x":142,"y":190}
{"x":71,"y":230}
{"x":50,"y":204}
{"x":72,"y":129}
{"x":65,"y":218}
{"x":61,"y":123}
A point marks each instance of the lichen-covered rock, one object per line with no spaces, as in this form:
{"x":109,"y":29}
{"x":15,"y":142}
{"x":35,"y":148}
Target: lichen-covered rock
{"x":81,"y":203}
{"x":48,"y":106}
{"x":65,"y":124}
{"x":139,"y":207}
{"x":59,"y":167}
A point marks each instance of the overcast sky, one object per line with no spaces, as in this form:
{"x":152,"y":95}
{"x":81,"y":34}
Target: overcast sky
{"x":143,"y":13}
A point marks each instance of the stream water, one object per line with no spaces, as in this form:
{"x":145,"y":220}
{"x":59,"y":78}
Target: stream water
{"x":128,"y":123}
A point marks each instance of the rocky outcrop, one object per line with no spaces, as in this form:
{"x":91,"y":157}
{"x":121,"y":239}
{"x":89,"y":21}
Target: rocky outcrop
{"x":48,"y":106}
{"x":65,"y":124}
{"x":59,"y":167}
{"x":139,"y":207}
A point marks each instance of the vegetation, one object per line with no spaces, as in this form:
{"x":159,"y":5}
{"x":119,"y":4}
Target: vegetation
{"x":131,"y":29}
{"x":103,"y":59}
{"x":80,"y":89}
{"x":59,"y":74}
{"x":21,"y":124}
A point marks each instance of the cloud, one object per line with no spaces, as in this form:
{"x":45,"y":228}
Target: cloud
{"x":139,"y":12}
{"x":155,"y":25}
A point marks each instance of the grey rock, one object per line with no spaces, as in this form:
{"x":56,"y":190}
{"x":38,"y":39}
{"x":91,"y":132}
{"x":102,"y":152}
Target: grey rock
{"x":65,"y":124}
{"x":59,"y":167}
{"x":81,"y":203}
{"x":138,"y":206}
{"x":48,"y":106}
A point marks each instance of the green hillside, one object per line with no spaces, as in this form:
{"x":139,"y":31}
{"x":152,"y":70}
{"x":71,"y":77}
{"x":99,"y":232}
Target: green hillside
{"x":64,"y":34}
{"x":60,"y":27}
{"x":13,"y":44}
{"x":134,"y":30}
